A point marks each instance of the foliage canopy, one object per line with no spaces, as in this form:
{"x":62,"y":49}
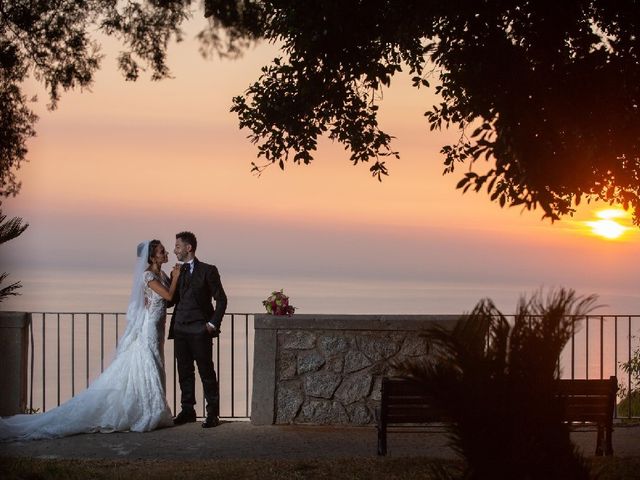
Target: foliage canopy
{"x":55,"y":42}
{"x":547,"y":92}
{"x":52,"y":40}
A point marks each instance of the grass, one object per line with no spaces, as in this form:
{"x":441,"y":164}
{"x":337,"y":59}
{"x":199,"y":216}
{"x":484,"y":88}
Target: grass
{"x":615,"y":468}
{"x":623,"y":406}
{"x":352,"y":468}
{"x":389,"y":468}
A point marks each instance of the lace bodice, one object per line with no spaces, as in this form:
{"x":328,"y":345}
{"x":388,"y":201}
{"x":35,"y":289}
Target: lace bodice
{"x":153,"y":300}
{"x":156,"y":308}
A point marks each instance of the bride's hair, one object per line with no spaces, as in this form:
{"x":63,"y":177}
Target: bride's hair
{"x":153,"y":244}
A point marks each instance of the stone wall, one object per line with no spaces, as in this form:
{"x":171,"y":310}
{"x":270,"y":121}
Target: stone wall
{"x":14,"y":338}
{"x":327,"y":369}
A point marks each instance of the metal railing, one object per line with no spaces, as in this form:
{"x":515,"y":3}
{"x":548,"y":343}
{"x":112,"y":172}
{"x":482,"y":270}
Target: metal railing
{"x":599,"y":348}
{"x":70,"y":349}
{"x":84,"y":343}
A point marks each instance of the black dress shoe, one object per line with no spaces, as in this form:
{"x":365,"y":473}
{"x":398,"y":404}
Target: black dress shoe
{"x":185,"y":416}
{"x":210,"y":422}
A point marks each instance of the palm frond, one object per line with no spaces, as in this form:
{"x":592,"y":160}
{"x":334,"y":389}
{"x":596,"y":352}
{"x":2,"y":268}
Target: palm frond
{"x":9,"y":290}
{"x":11,"y":228}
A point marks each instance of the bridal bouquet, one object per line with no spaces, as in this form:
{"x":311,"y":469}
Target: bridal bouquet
{"x":278,"y":304}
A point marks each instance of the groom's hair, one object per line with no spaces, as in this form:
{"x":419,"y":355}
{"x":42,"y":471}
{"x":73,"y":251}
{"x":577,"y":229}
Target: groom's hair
{"x":188,"y":237}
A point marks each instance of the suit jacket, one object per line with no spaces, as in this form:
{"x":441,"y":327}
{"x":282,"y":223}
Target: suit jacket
{"x":206,"y":285}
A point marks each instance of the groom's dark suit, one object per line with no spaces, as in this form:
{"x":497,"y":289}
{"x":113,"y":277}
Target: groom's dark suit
{"x":192,"y":341}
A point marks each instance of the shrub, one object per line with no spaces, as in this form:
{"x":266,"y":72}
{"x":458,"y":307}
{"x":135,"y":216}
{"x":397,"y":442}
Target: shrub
{"x":494,"y":380}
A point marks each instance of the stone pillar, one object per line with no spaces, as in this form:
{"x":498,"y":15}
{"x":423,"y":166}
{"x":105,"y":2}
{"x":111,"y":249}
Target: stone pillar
{"x":264,"y":372}
{"x":14,"y":342}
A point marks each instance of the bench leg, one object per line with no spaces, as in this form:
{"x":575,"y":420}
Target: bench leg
{"x":608,"y":449}
{"x":599,"y":441}
{"x":382,"y":440}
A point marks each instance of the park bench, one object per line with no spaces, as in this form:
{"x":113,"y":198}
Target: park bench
{"x":590,"y":401}
{"x":404,"y":404}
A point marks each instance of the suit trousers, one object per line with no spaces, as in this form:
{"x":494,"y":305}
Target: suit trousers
{"x":198,"y":349}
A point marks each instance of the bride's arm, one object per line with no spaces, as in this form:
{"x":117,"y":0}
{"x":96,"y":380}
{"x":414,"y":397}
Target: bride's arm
{"x":161,"y":290}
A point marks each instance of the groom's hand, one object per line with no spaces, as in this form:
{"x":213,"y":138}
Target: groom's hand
{"x":213,"y":331}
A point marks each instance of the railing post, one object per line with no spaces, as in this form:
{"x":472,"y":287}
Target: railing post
{"x":14,"y":338}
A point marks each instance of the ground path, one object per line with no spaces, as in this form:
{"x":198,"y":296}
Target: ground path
{"x":241,"y":440}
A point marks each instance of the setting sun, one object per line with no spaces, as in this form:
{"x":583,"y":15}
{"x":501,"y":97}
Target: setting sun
{"x":607,"y":227}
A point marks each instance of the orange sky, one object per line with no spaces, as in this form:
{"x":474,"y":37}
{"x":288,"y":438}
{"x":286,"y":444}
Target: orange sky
{"x":126,"y":161}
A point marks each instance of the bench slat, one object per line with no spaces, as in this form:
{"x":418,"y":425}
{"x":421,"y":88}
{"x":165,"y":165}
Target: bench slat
{"x":584,"y":387}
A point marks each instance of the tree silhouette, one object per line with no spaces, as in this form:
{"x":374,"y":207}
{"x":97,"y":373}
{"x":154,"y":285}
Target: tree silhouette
{"x":548,"y":92}
{"x":55,"y":43}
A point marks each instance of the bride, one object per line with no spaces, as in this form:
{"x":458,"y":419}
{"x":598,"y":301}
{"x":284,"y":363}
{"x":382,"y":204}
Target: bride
{"x":130,"y":394}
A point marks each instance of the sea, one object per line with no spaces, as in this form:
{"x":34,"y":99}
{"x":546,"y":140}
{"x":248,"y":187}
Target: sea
{"x":74,"y":290}
{"x":79,"y":316}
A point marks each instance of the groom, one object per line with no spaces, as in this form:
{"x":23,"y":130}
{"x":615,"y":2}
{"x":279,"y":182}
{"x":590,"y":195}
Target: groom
{"x":194,"y":324}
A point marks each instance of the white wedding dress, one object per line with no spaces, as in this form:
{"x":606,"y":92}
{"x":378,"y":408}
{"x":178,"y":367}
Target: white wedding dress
{"x":128,"y":396}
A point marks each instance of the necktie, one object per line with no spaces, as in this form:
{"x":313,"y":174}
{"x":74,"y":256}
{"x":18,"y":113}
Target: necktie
{"x":187,"y":273}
